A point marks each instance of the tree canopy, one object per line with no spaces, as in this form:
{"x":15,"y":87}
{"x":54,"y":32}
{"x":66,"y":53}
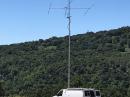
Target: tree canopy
{"x":99,"y":60}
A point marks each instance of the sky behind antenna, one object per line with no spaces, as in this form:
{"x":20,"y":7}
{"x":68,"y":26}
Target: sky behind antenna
{"x":27,"y":20}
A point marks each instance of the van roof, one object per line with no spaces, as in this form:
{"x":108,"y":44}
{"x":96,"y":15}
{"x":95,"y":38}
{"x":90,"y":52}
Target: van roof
{"x":79,"y":89}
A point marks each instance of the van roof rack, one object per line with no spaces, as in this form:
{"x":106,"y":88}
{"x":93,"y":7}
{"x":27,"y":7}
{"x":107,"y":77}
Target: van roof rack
{"x":80,"y":89}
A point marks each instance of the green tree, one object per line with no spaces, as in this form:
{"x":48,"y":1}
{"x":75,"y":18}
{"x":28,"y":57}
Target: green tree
{"x":128,"y":43}
{"x":2,"y":91}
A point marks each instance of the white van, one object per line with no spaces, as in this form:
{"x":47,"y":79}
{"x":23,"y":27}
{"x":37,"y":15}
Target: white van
{"x":78,"y":92}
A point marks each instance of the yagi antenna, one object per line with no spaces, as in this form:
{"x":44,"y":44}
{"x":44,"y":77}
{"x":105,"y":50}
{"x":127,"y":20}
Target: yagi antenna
{"x":68,"y":9}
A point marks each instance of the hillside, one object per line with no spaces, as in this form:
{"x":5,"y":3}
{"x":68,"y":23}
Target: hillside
{"x":39,"y":68}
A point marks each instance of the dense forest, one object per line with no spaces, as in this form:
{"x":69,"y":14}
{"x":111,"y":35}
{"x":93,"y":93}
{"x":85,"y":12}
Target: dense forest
{"x":99,"y":60}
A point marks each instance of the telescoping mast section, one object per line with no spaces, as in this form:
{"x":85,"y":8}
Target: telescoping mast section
{"x":69,"y":19}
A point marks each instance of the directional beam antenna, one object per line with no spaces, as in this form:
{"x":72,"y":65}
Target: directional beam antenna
{"x":67,"y":10}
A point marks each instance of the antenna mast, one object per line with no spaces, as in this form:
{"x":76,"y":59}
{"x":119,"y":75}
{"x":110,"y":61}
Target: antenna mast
{"x":68,"y":9}
{"x":69,"y":19}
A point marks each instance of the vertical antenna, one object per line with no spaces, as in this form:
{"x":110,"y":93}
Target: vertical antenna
{"x":68,"y":9}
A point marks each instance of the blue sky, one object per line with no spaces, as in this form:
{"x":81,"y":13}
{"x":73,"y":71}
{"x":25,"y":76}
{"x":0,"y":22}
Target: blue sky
{"x":28,"y":20}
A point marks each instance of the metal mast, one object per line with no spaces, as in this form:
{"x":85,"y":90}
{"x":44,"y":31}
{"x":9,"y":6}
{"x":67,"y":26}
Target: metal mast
{"x":68,"y":9}
{"x":69,"y":24}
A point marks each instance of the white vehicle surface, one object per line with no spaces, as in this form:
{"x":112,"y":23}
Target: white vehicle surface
{"x":78,"y":92}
